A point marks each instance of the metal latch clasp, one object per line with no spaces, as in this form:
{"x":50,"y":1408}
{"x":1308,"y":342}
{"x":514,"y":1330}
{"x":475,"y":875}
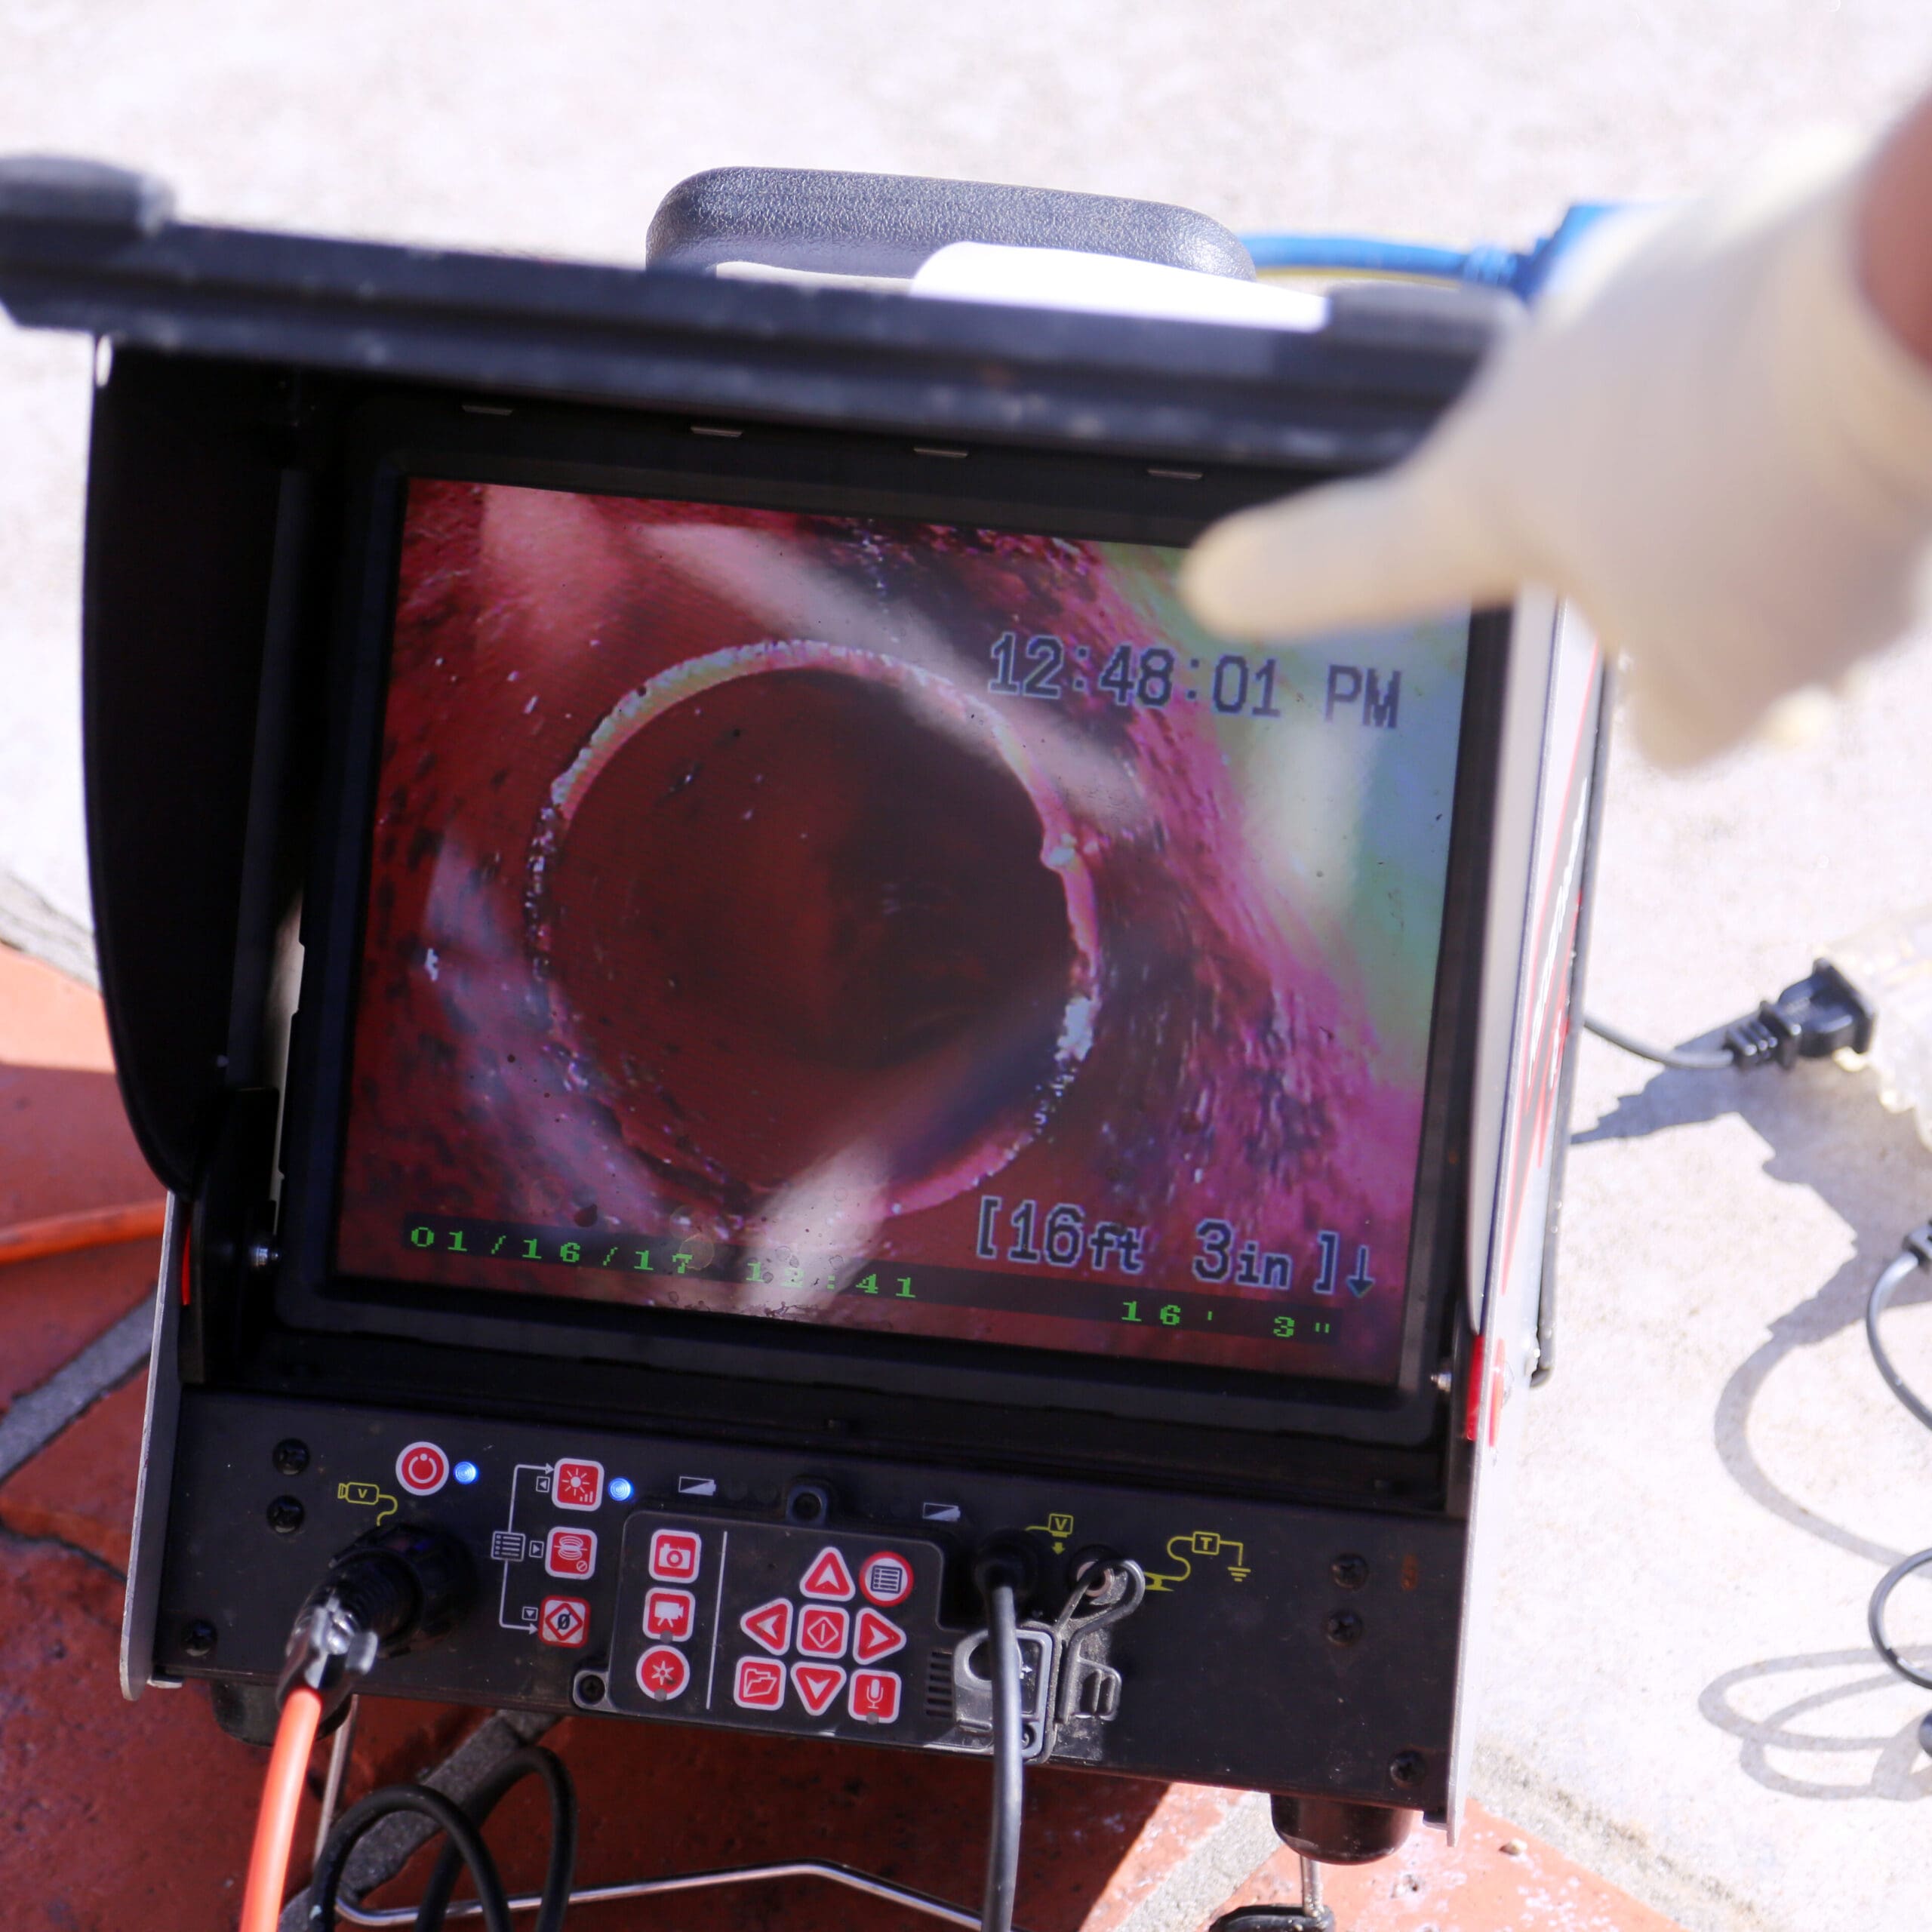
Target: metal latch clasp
{"x":1068,"y":1687}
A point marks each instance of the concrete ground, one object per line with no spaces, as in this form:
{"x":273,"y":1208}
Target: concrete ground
{"x":1715,"y":1479}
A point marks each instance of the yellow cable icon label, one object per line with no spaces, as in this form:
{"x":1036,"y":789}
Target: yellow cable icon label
{"x":1058,"y":1525}
{"x":1199,"y":1543}
{"x":368,"y":1495}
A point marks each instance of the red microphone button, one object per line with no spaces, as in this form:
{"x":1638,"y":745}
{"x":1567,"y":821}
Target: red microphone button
{"x":874,"y":1697}
{"x":423,"y":1468}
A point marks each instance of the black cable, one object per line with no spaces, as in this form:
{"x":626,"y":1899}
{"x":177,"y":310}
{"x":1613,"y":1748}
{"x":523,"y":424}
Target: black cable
{"x":1916,"y":1253}
{"x":1713,"y":1060}
{"x":1003,"y":1847}
{"x":1876,"y":1303}
{"x":362,"y":1817}
{"x":1875,"y":1616}
{"x":531,"y":1761}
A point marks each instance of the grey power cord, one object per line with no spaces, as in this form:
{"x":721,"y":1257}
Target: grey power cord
{"x":1689,"y":1059}
{"x":1003,"y":1667}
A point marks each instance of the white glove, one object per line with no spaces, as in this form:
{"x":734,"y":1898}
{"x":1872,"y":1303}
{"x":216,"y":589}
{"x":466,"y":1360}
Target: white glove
{"x":1704,"y":434}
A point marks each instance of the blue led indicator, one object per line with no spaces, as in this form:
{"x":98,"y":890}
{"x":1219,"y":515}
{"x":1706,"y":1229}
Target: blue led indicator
{"x":465,"y":1473}
{"x":620,"y":1489}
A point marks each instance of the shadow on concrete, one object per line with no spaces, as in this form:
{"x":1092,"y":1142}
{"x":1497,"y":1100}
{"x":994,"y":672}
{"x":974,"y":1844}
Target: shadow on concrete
{"x":1827,"y":1131}
{"x":1897,"y":1771}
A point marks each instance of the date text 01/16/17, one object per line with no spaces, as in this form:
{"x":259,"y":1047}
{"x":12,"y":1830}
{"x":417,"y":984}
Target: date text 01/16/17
{"x":1238,"y":687}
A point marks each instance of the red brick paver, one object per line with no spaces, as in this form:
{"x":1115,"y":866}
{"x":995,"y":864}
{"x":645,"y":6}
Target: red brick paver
{"x":64,"y":1145}
{"x":80,"y":1489}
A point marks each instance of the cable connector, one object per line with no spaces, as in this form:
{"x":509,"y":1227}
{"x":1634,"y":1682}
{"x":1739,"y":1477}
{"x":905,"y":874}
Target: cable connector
{"x":387,"y":1590}
{"x":1822,"y":1014}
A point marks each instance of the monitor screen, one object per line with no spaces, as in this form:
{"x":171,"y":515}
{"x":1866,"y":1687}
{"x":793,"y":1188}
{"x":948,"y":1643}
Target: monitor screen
{"x":895,"y":926}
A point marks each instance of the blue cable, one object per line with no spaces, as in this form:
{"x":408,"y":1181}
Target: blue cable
{"x":1522,"y":272}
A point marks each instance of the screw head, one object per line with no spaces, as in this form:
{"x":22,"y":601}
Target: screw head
{"x":590,"y":1689}
{"x":1408,"y":1767}
{"x":1349,"y":1572}
{"x":286,"y":1515}
{"x":1344,"y":1627}
{"x":292,"y":1455}
{"x":198,"y":1639}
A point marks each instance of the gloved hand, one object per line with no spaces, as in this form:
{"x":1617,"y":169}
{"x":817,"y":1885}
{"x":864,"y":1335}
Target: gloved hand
{"x":1703,"y":434}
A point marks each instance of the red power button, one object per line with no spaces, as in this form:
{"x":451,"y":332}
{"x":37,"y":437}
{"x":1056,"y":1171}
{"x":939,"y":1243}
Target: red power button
{"x":423,"y":1468}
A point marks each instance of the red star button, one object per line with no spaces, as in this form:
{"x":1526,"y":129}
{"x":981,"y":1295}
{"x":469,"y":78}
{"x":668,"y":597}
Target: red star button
{"x":829,"y":1576}
{"x":876,"y":1637}
{"x":817,"y":1684}
{"x":769,"y":1624}
{"x":663,"y":1673}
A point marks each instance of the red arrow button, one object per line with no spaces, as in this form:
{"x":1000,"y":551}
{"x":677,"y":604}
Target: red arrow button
{"x":829,"y":1576}
{"x":876,"y":1637}
{"x":769,"y":1624}
{"x":817,"y":1684}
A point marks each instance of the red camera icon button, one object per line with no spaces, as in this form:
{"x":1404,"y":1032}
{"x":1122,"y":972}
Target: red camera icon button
{"x":675,"y":1555}
{"x":874,"y":1696}
{"x":662,"y":1674}
{"x":669,"y":1615}
{"x":423,"y":1468}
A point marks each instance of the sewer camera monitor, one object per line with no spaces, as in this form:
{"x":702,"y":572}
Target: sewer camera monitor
{"x":790,"y":1101}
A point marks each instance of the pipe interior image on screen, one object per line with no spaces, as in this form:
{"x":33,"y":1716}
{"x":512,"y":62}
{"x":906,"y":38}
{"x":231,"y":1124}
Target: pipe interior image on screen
{"x":893,"y":925}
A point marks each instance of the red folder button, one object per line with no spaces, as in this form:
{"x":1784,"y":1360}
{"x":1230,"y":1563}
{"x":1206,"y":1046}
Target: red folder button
{"x":760,"y":1685}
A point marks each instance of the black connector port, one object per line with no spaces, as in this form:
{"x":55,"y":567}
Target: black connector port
{"x":386,"y":1592}
{"x":1822,"y":1013}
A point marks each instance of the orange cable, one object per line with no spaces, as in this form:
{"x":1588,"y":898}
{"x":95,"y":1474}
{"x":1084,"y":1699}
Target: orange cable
{"x":93,"y":1227}
{"x":282,"y":1799}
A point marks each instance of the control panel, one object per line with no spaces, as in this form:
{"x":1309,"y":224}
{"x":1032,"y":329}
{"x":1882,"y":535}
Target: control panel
{"x":665,"y":1581}
{"x":778,"y":1628}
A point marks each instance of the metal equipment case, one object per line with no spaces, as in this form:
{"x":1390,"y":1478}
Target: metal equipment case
{"x":1316,"y":1548}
